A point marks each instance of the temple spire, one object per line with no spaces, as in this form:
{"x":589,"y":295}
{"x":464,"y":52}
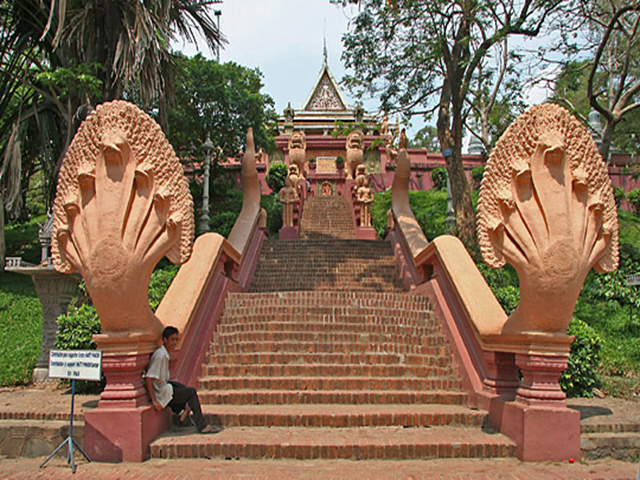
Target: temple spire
{"x":324,"y":49}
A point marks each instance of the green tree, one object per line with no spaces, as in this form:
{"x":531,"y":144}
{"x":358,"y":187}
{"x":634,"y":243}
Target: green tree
{"x":411,"y":51}
{"x":220,"y":100}
{"x":426,"y":137}
{"x":570,"y":91}
{"x":609,"y":34}
{"x":59,"y":58}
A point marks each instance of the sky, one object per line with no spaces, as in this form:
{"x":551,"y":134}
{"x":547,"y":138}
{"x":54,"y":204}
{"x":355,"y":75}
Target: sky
{"x":284,"y":39}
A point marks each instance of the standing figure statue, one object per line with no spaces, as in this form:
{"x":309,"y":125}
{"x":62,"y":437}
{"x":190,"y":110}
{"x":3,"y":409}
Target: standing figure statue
{"x":360,"y":176}
{"x":288,"y":198}
{"x":365,"y":198}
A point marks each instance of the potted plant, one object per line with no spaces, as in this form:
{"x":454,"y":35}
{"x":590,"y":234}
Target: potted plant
{"x":340,"y":162}
{"x":312,"y":163}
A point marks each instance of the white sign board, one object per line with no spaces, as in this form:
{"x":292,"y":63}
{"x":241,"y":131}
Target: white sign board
{"x":75,"y":364}
{"x":633,"y":280}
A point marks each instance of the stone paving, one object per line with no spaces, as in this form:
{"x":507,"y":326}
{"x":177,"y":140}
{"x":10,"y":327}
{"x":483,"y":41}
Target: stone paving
{"x":353,"y":470}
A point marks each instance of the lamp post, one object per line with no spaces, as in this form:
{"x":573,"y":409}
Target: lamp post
{"x":208,"y":147}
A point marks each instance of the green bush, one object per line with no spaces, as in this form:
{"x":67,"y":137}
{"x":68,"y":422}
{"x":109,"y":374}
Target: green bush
{"x":612,"y":286}
{"x":76,"y":328}
{"x":20,"y":329}
{"x":580,"y":377}
{"x":619,"y":194}
{"x":223,"y":222}
{"x":273,"y":207}
{"x":75,"y":331}
{"x":275,"y":176}
{"x":633,"y":197}
{"x":160,"y":281}
{"x":504,"y":285}
{"x":439,"y":178}
{"x":476,"y":176}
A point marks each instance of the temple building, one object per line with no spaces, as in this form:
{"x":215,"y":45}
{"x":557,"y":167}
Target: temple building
{"x":320,"y":130}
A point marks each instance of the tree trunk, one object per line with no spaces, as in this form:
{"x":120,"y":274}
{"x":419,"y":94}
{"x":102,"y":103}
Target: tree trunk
{"x":607,"y":140}
{"x":3,"y":245}
{"x":452,"y":150}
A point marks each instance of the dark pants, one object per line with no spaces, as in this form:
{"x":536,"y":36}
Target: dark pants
{"x":183,"y":395}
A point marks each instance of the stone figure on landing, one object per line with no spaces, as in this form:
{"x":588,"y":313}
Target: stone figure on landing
{"x":288,"y":198}
{"x":365,"y":198}
{"x":355,"y":152}
{"x":298,"y":151}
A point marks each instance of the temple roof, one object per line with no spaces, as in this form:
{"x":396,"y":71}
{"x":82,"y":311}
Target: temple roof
{"x":326,"y":94}
{"x":325,"y":108}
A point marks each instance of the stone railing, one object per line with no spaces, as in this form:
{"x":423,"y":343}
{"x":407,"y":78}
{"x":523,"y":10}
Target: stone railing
{"x":196,"y":297}
{"x":532,"y":410}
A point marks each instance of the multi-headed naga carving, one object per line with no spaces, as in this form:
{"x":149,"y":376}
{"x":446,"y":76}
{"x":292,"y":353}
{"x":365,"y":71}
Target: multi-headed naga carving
{"x":122,"y":203}
{"x":546,"y":206}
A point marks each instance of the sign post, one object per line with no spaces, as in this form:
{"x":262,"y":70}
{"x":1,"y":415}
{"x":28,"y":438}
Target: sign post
{"x":74,"y":365}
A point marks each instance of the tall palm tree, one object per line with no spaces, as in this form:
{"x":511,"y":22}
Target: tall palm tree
{"x":131,"y":39}
{"x":128,"y":42}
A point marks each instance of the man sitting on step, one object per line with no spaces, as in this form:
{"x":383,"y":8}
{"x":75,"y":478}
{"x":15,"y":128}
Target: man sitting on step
{"x":164,"y":392}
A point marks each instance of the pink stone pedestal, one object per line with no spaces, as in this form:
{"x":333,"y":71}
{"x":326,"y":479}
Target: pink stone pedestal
{"x":123,"y":434}
{"x":539,"y":420}
{"x":365,"y":233}
{"x":288,"y":233}
{"x":125,"y":423}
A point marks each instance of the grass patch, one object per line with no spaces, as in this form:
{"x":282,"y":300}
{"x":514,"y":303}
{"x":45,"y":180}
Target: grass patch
{"x":20,"y":329}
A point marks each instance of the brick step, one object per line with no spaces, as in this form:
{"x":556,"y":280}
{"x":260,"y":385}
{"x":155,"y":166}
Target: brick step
{"x":261,"y":358}
{"x":343,"y":416}
{"x":282,"y":300}
{"x":437,"y":345}
{"x":304,"y":284}
{"x":621,"y":446}
{"x":342,"y":397}
{"x":309,"y":325}
{"x":337,"y":337}
{"x":330,"y":443}
{"x":352,"y":265}
{"x":328,"y":383}
{"x":224,"y":369}
{"x":336,"y":313}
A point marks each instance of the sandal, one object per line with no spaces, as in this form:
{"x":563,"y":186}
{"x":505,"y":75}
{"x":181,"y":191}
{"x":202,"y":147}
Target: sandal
{"x":212,"y":430}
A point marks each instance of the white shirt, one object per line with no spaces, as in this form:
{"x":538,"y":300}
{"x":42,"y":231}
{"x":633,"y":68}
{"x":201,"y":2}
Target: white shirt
{"x":159,"y":371}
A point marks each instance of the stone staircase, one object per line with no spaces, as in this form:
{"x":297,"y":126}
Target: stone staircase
{"x":327,"y":358}
{"x":333,"y":375}
{"x":326,"y":217}
{"x":345,"y":265}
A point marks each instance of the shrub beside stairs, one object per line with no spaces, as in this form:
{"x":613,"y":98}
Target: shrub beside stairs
{"x":327,"y":358}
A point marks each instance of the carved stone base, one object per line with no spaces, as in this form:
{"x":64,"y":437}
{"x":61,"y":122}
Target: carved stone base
{"x":288,"y":233}
{"x":365,"y":233}
{"x":502,"y":374}
{"x":540,"y":377}
{"x":125,"y":387}
{"x":539,"y":420}
{"x":123,"y":434}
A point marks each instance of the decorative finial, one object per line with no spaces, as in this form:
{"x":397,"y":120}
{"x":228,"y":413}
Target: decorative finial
{"x":324,"y":49}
